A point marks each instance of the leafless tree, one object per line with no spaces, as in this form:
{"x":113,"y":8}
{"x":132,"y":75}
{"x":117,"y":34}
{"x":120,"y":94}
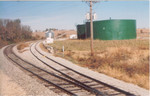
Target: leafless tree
{"x":12,"y":30}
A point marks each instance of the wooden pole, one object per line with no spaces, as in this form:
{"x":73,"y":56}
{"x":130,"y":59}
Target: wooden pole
{"x":91,"y":28}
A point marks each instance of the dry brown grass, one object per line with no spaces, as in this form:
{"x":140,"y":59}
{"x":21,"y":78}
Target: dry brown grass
{"x":127,"y":60}
{"x":143,"y":34}
{"x":21,"y":46}
{"x":43,"y":48}
{"x":3,"y":43}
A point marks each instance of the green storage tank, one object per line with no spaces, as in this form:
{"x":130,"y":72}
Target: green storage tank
{"x":88,"y":32}
{"x":114,"y":29}
{"x":81,"y":31}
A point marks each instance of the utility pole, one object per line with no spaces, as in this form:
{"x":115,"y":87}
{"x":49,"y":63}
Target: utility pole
{"x":91,"y":28}
{"x":91,"y":2}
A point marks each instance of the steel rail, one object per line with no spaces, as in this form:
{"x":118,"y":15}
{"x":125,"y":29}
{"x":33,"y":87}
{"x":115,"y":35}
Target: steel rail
{"x":75,"y":83}
{"x":72,"y":94}
{"x":88,"y":88}
{"x":110,"y":86}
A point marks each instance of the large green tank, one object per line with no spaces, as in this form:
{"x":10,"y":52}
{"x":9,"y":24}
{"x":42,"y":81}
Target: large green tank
{"x":87,"y":31}
{"x":81,"y":31}
{"x":114,"y":29}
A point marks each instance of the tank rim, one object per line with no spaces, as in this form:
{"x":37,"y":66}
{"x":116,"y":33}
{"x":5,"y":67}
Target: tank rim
{"x":116,"y":20}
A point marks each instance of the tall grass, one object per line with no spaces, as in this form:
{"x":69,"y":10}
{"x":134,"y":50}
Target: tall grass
{"x":127,"y":60}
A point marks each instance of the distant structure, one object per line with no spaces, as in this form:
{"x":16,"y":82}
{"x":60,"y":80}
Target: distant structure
{"x":49,"y":36}
{"x":73,"y":36}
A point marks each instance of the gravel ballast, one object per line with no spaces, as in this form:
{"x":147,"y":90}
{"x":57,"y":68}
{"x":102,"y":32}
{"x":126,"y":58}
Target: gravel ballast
{"x":15,"y":82}
{"x":104,"y":78}
{"x":129,"y":87}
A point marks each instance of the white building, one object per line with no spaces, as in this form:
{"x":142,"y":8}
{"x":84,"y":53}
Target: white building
{"x":49,"y":37}
{"x":73,"y":36}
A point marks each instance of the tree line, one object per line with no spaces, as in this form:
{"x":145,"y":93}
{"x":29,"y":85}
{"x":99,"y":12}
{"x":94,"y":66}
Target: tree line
{"x":12,"y":31}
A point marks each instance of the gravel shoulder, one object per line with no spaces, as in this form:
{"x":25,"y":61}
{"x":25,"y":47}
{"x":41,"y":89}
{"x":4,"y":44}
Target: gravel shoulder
{"x":29,"y":86}
{"x":9,"y":87}
{"x":102,"y":77}
{"x":14,"y":82}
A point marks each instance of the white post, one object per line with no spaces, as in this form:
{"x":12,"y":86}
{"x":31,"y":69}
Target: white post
{"x":63,"y":50}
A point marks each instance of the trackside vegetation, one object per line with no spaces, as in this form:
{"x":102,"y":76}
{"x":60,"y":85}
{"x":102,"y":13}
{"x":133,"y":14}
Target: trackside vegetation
{"x":126,"y":60}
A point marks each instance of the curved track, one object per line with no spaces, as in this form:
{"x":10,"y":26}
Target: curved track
{"x":63,"y":78}
{"x":90,"y":84}
{"x":49,"y":78}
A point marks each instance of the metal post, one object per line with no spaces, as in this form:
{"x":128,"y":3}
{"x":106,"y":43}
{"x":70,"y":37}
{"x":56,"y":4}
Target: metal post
{"x":91,"y":28}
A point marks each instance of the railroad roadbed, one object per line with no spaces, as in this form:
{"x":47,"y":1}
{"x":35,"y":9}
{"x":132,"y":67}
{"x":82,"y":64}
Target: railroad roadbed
{"x":14,"y":82}
{"x":101,"y":77}
{"x":28,"y":85}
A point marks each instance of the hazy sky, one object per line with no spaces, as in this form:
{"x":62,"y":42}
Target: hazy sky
{"x":67,"y":14}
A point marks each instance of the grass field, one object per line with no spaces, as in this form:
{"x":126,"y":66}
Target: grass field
{"x":126,"y":60}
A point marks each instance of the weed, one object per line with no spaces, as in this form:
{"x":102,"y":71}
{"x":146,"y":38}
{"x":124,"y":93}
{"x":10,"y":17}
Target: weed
{"x":21,"y":46}
{"x":123,"y":59}
{"x":43,"y":47}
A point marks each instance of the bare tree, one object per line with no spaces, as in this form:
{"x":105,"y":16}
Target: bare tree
{"x":12,"y":30}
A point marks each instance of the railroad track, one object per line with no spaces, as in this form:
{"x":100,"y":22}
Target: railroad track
{"x":64,"y":79}
{"x":49,"y":78}
{"x":94,"y":86}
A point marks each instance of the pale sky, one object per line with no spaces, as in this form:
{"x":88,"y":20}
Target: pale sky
{"x":67,"y":14}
